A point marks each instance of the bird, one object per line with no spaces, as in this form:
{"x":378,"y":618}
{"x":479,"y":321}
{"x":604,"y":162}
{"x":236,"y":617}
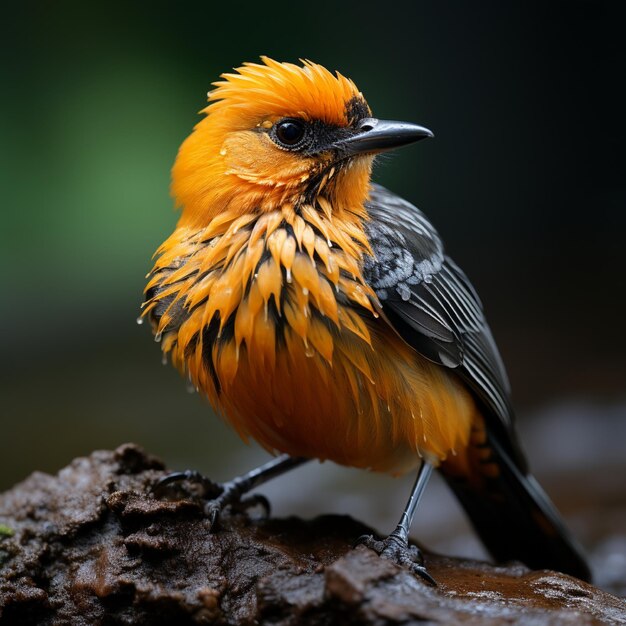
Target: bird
{"x":321,"y":316}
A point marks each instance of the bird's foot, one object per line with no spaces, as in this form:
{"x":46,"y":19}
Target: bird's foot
{"x":216,"y":496}
{"x":397,"y":549}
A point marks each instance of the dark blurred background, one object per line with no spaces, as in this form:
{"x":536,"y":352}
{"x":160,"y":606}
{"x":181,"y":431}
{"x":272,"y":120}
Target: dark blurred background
{"x":525,"y":180}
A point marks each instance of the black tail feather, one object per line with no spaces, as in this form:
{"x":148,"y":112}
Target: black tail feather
{"x":517,"y":521}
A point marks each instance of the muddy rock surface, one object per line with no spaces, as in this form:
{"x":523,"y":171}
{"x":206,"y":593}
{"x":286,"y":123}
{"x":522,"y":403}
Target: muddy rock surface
{"x":92,"y":546}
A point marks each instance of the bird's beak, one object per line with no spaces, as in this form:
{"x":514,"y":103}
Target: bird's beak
{"x":381,"y":135}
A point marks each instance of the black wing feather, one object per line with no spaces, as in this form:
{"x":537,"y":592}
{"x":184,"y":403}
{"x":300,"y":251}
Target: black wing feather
{"x":432,"y":304}
{"x":434,"y":308}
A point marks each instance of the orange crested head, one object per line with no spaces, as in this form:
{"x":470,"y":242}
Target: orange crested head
{"x":274,"y":136}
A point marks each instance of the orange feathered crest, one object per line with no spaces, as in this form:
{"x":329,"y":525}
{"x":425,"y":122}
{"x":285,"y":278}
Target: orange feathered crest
{"x":285,"y":89}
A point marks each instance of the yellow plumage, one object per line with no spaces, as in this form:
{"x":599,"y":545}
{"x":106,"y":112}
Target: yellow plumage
{"x":338,"y":384}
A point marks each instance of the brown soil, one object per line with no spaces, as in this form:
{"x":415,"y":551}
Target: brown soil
{"x":91,"y":545}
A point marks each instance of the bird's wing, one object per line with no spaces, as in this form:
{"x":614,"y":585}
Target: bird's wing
{"x":430,"y":302}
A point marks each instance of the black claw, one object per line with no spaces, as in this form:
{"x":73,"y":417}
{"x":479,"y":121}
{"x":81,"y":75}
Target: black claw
{"x":231,"y":498}
{"x":420,"y":570}
{"x":209,"y":488}
{"x":256,"y":499}
{"x":213,"y":514}
{"x":369,"y":541}
{"x":168,"y":480}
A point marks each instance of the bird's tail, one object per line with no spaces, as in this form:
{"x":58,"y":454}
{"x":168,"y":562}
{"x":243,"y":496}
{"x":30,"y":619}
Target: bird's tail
{"x":509,"y":510}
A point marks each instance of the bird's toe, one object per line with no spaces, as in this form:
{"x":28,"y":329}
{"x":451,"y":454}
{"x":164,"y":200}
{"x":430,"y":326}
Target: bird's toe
{"x":404,"y":554}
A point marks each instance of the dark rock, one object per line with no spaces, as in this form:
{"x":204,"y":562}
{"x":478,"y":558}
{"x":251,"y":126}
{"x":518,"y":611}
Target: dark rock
{"x":93,"y":546}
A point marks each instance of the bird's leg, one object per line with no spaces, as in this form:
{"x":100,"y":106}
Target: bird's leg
{"x":396,"y":546}
{"x":221,"y":495}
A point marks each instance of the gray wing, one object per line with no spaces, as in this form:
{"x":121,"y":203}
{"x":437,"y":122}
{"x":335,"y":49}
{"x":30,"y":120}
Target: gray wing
{"x":430,"y":302}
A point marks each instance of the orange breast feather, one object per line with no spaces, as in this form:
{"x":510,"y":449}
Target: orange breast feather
{"x":269,"y":316}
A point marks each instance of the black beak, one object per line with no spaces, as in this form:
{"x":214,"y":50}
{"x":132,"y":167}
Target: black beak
{"x":381,"y":135}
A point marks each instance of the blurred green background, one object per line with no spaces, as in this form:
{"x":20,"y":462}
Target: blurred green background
{"x":525,"y":181}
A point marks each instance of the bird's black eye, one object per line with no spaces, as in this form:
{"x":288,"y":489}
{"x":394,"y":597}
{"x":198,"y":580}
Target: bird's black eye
{"x":290,"y":133}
